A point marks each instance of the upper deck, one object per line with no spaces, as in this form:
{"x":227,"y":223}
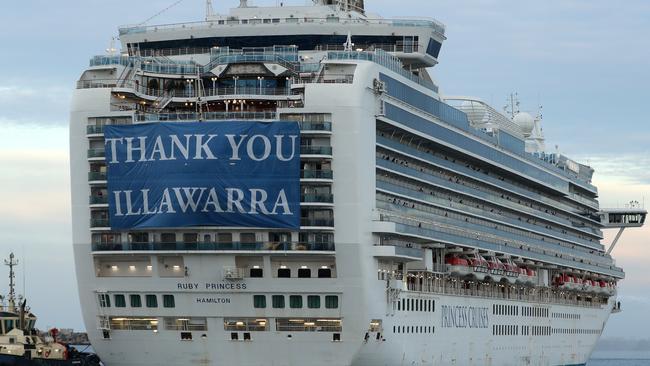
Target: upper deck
{"x":319,"y":27}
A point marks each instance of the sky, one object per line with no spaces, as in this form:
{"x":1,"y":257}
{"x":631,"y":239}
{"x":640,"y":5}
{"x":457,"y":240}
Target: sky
{"x":584,"y":61}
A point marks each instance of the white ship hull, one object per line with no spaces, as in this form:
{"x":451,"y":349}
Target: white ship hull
{"x":426,"y":237}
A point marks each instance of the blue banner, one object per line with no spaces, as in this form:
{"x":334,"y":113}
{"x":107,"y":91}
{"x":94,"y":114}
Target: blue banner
{"x":225,"y":174}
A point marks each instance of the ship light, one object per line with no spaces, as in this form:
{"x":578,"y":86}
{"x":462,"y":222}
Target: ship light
{"x":239,"y":324}
{"x":131,"y":268}
{"x":256,"y":267}
{"x":115,"y":268}
{"x":324,"y":267}
{"x":303,"y":267}
{"x":176,"y":268}
{"x":149,"y":268}
{"x":310,"y":324}
{"x":283,"y":267}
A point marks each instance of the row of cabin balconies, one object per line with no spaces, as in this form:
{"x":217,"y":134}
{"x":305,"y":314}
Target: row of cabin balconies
{"x":305,"y":127}
{"x":100,"y":177}
{"x":304,"y":198}
{"x":98,"y":154}
{"x":213,"y":246}
{"x":310,"y":218}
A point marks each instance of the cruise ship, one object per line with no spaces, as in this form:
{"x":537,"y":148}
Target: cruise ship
{"x":288,"y":186}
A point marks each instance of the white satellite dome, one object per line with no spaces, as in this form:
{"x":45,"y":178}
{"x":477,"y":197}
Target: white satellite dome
{"x":525,"y":121}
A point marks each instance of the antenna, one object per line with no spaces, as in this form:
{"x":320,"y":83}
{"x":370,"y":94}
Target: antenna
{"x":243,"y":3}
{"x":209,"y":12}
{"x":111,"y":50}
{"x":160,"y":12}
{"x":11,"y":263}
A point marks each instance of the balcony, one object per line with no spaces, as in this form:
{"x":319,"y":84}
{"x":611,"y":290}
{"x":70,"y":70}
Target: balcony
{"x":316,"y":174}
{"x":98,"y":200}
{"x":316,"y":126}
{"x":96,"y":176}
{"x":208,"y":116}
{"x":232,"y":246}
{"x":94,"y":130}
{"x":99,"y":223}
{"x":317,"y":198}
{"x":316,"y":150}
{"x":311,"y":222}
{"x":97,"y":153}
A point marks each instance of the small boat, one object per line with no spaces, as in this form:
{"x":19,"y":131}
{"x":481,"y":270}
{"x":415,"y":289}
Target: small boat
{"x":20,"y":343}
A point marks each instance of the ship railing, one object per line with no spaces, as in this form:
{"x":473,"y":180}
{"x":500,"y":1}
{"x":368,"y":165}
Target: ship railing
{"x":442,"y":285}
{"x":212,"y":246}
{"x":316,"y":126}
{"x":206,"y":116}
{"x":387,"y":47}
{"x":325,"y":79}
{"x":420,"y":22}
{"x":316,"y":174}
{"x":477,"y":236}
{"x":186,"y":92}
{"x":385,"y":59}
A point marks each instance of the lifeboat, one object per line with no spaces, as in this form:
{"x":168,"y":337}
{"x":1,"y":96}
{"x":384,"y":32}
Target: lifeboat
{"x":611,"y":288}
{"x":602,"y":287}
{"x":458,"y":266}
{"x":565,"y":282}
{"x":511,"y":270}
{"x":496,"y":268}
{"x":578,"y":284}
{"x":527,"y":276}
{"x":479,"y":266}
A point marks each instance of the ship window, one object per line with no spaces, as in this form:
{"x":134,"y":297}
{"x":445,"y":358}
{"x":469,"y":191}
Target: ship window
{"x":336,"y":337}
{"x":257,"y":272}
{"x":106,"y":334}
{"x":168,"y":301}
{"x":190,"y":238}
{"x":120,"y":301}
{"x":234,"y":336}
{"x":331,"y":302}
{"x":247,"y":238}
{"x":324,"y":273}
{"x":295,"y":301}
{"x":104,"y":301}
{"x":152,"y":301}
{"x":259,"y":301}
{"x":313,"y":302}
{"x":186,"y":336}
{"x":278,"y":301}
{"x":168,"y":238}
{"x":224,"y":238}
{"x":284,"y":272}
{"x":304,"y":273}
{"x":247,"y":336}
{"x":136,"y":301}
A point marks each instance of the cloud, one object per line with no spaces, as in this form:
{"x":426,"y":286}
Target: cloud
{"x":43,"y":106}
{"x":627,"y":169}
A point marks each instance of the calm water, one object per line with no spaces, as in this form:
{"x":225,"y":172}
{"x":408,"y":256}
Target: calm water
{"x":618,"y":362}
{"x":599,"y":359}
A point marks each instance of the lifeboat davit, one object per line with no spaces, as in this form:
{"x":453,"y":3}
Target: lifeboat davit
{"x":511,"y":270}
{"x":496,"y":268}
{"x":479,"y":266}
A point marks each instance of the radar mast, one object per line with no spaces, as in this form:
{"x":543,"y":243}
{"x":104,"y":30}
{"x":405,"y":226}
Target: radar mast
{"x":11,"y":263}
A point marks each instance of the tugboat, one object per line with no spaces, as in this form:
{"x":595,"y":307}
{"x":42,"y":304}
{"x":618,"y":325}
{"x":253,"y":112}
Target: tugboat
{"x":20,"y":344}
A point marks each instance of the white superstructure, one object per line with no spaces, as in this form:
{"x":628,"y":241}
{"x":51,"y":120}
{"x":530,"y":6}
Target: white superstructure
{"x":430,"y":235}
